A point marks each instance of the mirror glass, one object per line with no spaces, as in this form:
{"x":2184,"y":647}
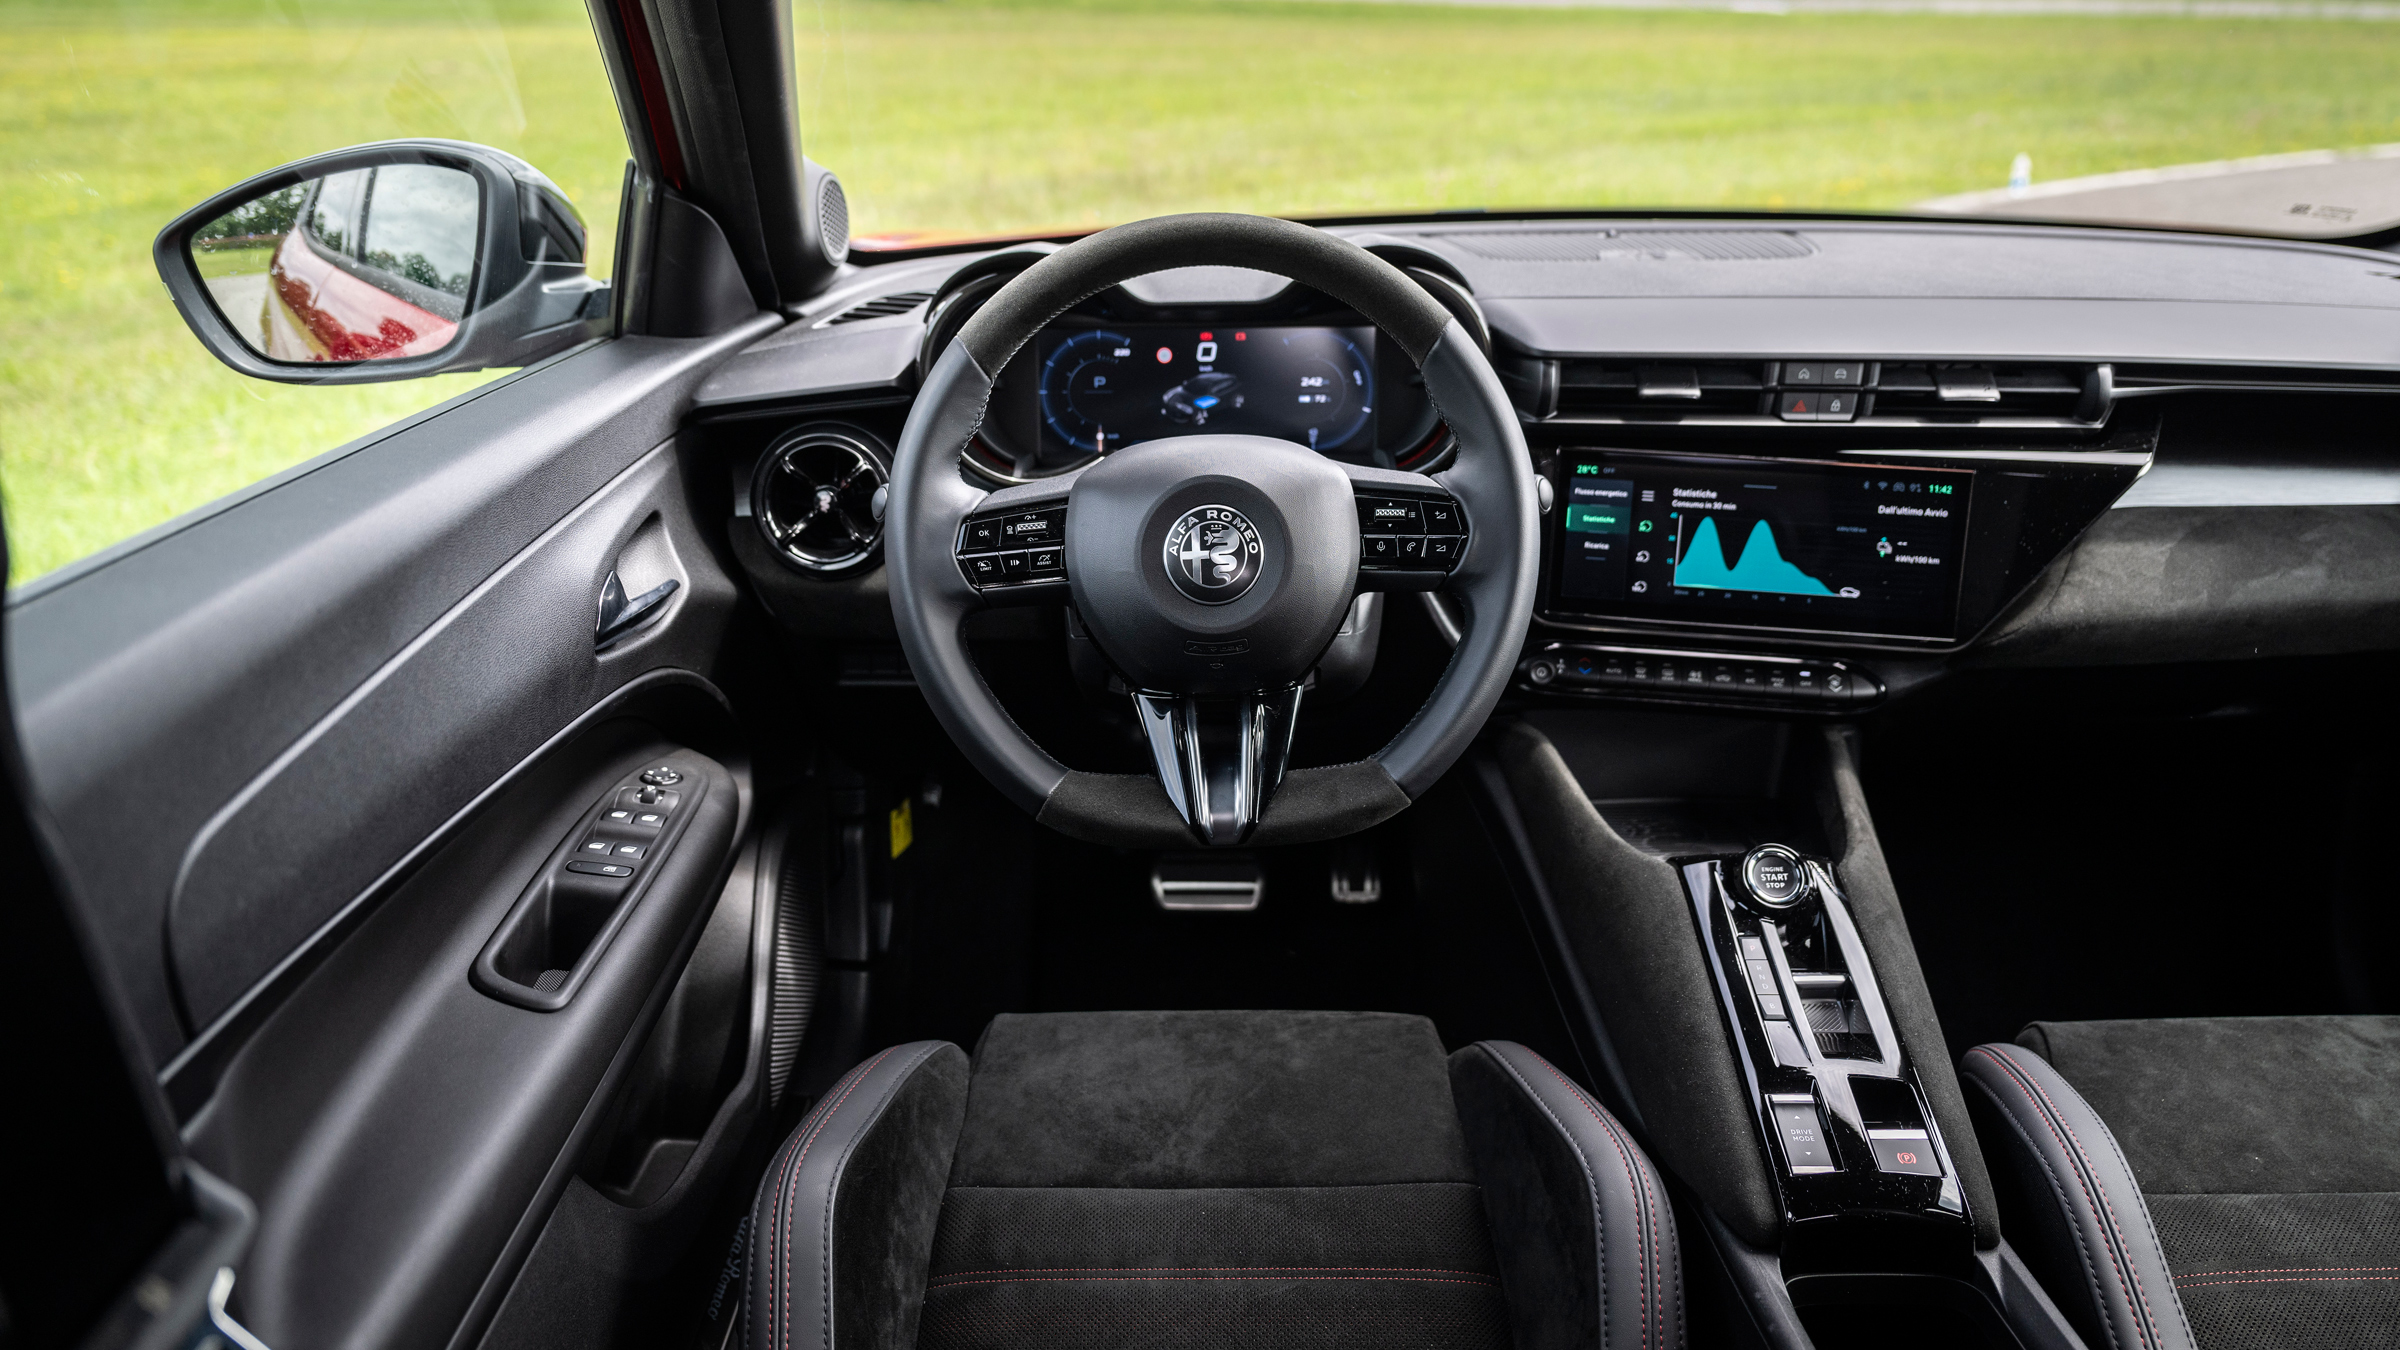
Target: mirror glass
{"x":365,"y":265}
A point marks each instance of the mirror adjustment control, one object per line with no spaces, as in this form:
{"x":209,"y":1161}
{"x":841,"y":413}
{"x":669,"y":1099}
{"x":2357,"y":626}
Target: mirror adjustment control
{"x":645,"y":801}
{"x":662,"y":776}
{"x":1774,"y":876}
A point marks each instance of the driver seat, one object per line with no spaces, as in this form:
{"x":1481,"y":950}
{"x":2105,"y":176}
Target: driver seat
{"x":1210,"y":1179}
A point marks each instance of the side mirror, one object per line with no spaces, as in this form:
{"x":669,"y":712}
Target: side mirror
{"x":384,"y":262}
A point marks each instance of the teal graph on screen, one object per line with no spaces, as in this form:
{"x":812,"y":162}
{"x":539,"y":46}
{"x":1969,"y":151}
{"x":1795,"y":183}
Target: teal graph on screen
{"x":1761,"y":567}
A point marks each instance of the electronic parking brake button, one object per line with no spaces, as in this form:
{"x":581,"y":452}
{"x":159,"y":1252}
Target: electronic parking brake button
{"x":1905,"y":1151}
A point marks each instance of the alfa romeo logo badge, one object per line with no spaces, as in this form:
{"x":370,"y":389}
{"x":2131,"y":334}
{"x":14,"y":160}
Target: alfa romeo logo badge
{"x":1213,"y":554}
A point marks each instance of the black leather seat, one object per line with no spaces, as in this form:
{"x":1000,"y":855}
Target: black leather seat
{"x":1226,"y":1179}
{"x":2224,"y":1183}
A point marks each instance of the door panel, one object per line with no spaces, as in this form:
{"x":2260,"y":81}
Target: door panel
{"x":366,"y":783}
{"x":402,"y":1129}
{"x":160,"y":683}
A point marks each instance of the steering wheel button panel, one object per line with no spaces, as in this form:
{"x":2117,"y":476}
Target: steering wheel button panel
{"x":1410,"y":534}
{"x":1008,"y":549}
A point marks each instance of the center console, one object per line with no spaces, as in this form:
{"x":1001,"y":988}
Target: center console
{"x":1714,"y":909}
{"x":1838,"y":1104}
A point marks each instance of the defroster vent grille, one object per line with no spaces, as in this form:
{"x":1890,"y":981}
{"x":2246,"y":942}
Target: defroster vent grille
{"x":1662,"y":245}
{"x":882,"y":307}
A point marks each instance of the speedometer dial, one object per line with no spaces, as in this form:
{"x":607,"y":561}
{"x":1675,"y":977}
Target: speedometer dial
{"x":1102,"y":388}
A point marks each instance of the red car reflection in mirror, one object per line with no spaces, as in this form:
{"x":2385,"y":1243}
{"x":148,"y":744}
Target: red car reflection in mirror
{"x":328,"y":314}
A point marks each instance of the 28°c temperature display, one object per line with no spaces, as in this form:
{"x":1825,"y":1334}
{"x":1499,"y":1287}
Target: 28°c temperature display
{"x":1831,"y":547}
{"x":1108,"y":387}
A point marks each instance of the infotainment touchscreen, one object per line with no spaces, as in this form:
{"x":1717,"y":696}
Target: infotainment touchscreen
{"x":1106,"y":387}
{"x":1814,"y":545}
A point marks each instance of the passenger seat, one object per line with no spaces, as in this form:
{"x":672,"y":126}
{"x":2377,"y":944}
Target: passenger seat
{"x":2208,"y":1183}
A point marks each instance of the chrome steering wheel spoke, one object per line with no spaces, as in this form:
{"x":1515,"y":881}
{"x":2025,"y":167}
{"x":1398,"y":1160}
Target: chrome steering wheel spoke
{"x":1220,"y":759}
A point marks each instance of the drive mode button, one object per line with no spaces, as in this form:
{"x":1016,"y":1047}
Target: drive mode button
{"x":1805,"y":1148}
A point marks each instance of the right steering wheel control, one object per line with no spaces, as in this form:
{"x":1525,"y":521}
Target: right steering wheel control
{"x":1410,"y":534}
{"x":1774,"y":876}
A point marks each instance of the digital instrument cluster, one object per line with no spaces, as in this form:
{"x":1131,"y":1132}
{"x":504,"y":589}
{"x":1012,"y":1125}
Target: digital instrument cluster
{"x":1829,"y":547}
{"x":1102,"y":388}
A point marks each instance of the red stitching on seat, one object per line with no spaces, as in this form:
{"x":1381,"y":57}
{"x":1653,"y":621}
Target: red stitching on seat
{"x":1646,"y":1239}
{"x":2024,"y":1084}
{"x":2279,"y":1270}
{"x":787,"y":1194}
{"x":1146,"y":1270}
{"x":2300,"y":1279}
{"x":1480,"y":1282}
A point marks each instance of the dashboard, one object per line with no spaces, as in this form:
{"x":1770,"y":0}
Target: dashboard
{"x":1799,"y":464}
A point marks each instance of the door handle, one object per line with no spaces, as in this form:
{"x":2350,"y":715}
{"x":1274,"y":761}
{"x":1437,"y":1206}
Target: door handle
{"x":619,"y":616}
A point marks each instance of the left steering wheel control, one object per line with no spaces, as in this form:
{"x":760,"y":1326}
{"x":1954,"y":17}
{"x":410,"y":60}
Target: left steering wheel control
{"x":1015,"y":548}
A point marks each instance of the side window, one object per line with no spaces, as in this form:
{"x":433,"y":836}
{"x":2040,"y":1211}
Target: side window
{"x":117,"y":117}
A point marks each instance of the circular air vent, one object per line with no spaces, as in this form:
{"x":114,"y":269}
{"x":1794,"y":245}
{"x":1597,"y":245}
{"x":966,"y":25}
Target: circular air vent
{"x":833,"y":220}
{"x":814,"y":497}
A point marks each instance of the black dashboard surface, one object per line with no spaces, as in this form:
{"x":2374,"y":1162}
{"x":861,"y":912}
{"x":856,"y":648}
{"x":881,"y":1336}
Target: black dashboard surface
{"x":2142,"y":446}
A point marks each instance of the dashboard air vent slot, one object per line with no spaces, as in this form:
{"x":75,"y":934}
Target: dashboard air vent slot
{"x":882,"y":307}
{"x":1660,"y":391}
{"x":1943,"y":391}
{"x":1657,"y":245}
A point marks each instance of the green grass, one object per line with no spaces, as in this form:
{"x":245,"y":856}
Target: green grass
{"x":114,"y":119}
{"x":966,"y":115}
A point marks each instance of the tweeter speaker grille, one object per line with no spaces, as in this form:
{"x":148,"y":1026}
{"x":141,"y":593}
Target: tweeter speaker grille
{"x":833,"y":220}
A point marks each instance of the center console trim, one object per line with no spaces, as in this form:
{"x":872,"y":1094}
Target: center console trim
{"x":1790,"y":1069}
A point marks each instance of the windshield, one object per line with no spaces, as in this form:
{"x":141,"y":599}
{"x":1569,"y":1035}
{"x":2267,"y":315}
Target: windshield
{"x":984,"y":117}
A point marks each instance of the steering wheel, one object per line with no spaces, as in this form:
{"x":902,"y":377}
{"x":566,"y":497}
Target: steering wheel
{"x":1213,"y":570}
